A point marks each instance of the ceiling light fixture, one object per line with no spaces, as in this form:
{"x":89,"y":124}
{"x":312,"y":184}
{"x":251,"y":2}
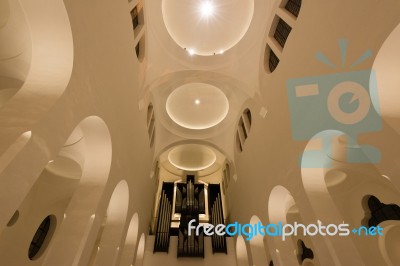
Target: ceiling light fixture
{"x":197,"y":101}
{"x":191,"y":51}
{"x":207,"y":8}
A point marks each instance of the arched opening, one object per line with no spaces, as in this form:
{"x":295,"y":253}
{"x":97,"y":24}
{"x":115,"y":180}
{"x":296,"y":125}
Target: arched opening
{"x":337,"y":187}
{"x":140,"y":251}
{"x":128,"y":252}
{"x":257,"y":245}
{"x":111,"y":233}
{"x":279,"y":203}
{"x":84,"y":162}
{"x":242,"y":256}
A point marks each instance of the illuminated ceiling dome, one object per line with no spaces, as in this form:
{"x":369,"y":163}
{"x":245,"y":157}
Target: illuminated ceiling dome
{"x":191,"y":157}
{"x":207,"y":27}
{"x":197,"y":106}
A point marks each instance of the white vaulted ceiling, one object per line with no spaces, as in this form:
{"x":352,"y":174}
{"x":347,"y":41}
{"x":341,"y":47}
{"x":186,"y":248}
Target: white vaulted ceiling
{"x":197,"y":106}
{"x":207,"y":27}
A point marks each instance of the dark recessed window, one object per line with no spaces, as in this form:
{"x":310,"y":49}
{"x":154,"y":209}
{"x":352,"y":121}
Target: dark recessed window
{"x":273,"y":61}
{"x":135,"y":18}
{"x":293,"y":6}
{"x":40,"y":237}
{"x":140,"y":48}
{"x":282,"y":32}
{"x":226,"y":177}
{"x":243,"y":129}
{"x":151,"y":123}
{"x":381,"y":212}
{"x":247,"y":114}
{"x":238,"y":141}
{"x":304,"y":252}
{"x":137,"y":50}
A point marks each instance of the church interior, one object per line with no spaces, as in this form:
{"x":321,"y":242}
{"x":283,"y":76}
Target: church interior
{"x":122,"y":121}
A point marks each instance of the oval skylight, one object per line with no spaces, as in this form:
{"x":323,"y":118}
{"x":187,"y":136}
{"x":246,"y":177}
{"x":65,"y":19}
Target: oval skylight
{"x":197,"y":106}
{"x":207,"y":27}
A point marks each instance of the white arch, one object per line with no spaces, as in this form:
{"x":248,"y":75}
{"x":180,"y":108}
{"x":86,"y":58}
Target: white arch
{"x":128,"y":252}
{"x":36,"y":62}
{"x":387,"y":66}
{"x":112,"y":233}
{"x":280,"y":201}
{"x":325,"y":188}
{"x":242,"y":256}
{"x":385,"y":77}
{"x":15,"y":49}
{"x":140,"y":251}
{"x":258,"y":252}
{"x":69,"y":245}
{"x":389,"y":242}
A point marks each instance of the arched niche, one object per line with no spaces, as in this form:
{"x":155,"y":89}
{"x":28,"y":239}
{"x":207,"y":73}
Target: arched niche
{"x":128,"y":252}
{"x":140,"y":251}
{"x":279,"y":203}
{"x":85,"y":161}
{"x":110,"y":235}
{"x":242,"y":257}
{"x":337,"y":189}
{"x":258,"y":252}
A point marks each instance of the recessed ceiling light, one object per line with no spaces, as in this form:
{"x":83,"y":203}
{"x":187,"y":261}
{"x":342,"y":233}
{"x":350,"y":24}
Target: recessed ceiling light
{"x":197,"y":101}
{"x":221,"y":51}
{"x":207,"y":8}
{"x":191,"y":51}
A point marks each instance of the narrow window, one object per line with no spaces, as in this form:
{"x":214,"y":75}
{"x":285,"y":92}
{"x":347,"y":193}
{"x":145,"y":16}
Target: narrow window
{"x":293,"y":6}
{"x":273,"y":61}
{"x":282,"y":32}
{"x":140,"y":48}
{"x":247,"y":114}
{"x":151,"y":124}
{"x":238,"y":142}
{"x":137,"y":50}
{"x":135,"y":18}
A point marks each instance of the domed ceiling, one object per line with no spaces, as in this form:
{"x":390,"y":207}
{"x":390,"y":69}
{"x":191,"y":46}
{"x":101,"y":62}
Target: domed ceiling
{"x":192,"y":157}
{"x":207,"y":27}
{"x":197,"y":106}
